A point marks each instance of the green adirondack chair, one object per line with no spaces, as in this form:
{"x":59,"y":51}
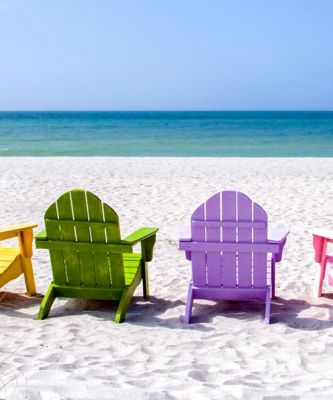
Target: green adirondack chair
{"x":89,"y":260}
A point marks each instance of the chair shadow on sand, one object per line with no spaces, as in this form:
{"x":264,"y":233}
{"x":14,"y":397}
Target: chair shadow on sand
{"x":289,"y":312}
{"x":152,"y":312}
{"x":283,"y":311}
{"x":12,"y":303}
{"x":156,"y":311}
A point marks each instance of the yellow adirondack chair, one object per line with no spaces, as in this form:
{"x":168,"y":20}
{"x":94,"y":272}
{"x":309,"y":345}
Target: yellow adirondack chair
{"x":15,"y":261}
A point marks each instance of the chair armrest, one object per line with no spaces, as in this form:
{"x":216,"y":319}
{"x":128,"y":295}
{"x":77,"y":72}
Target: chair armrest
{"x":13,"y":230}
{"x":183,"y":245}
{"x":147,"y":237}
{"x":41,"y":236}
{"x":278,"y":234}
{"x":323,"y":232}
{"x":139,"y":235}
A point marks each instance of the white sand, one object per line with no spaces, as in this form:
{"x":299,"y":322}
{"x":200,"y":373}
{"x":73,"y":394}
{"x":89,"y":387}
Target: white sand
{"x":229,"y":353}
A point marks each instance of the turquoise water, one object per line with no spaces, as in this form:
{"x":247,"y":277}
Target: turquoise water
{"x":218,"y":134}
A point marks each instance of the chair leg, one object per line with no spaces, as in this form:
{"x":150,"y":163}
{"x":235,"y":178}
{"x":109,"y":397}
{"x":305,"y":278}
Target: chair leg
{"x":273,"y":279}
{"x":145,"y":283}
{"x":329,"y":271}
{"x":322,"y":277}
{"x":189,"y":304}
{"x":268,"y":305}
{"x":47,"y":302}
{"x":29,"y":276}
{"x":322,"y":266}
{"x":124,"y":303}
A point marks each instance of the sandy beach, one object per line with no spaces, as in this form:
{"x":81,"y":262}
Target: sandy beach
{"x":228,"y":353}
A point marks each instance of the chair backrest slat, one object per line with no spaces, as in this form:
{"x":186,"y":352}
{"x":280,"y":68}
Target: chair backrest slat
{"x":56,"y":256}
{"x":213,"y":234}
{"x":259,"y":259}
{"x":98,"y":235}
{"x":82,"y":234}
{"x":229,"y":260}
{"x":199,"y":257}
{"x":245,"y":266}
{"x":113,"y":235}
{"x":67,"y":233}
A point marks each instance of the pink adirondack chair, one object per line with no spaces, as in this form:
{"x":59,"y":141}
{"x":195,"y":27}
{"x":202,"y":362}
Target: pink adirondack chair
{"x":321,"y":238}
{"x":232,"y":257}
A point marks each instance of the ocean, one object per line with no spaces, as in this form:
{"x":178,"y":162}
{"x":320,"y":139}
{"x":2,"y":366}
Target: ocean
{"x":174,"y":134}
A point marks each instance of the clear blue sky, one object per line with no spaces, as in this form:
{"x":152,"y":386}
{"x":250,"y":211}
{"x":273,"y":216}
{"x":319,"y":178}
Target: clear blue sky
{"x":166,"y":55}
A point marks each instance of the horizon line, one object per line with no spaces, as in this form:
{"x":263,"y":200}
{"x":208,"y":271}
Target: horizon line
{"x":169,"y":110}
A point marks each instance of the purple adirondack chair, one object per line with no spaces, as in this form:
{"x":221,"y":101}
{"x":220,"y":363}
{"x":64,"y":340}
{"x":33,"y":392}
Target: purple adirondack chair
{"x":232,"y":256}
